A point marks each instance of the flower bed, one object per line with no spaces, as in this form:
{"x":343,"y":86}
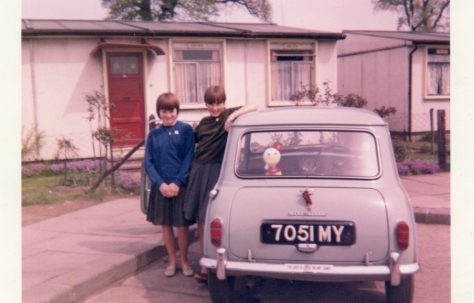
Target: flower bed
{"x":414,"y":167}
{"x":79,"y":172}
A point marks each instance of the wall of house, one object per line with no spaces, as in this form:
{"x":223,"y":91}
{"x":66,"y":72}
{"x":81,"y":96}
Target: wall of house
{"x":421,"y":105}
{"x":326,"y":64}
{"x":57,"y":73}
{"x":381,"y":78}
{"x":360,"y":43}
{"x":377,"y":69}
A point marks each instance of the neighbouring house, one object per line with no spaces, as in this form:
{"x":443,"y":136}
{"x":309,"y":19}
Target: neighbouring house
{"x":406,"y":70}
{"x":132,"y":63}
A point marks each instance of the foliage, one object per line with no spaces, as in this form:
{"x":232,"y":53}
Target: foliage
{"x":66,"y":149}
{"x":33,"y":169}
{"x":327,"y":97}
{"x":98,"y":109}
{"x":419,"y":15}
{"x":425,"y":148}
{"x":385,"y":111}
{"x":196,"y":10}
{"x":80,"y":173}
{"x":46,"y":189}
{"x":414,"y":167}
{"x":31,"y":145}
{"x":400,"y":150}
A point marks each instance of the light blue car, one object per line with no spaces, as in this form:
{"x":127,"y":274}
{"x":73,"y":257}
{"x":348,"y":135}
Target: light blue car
{"x":310,"y":193}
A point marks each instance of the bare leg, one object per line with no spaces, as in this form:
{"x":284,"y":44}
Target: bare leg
{"x":183,"y":246}
{"x":168,"y":238}
{"x":201,"y":243}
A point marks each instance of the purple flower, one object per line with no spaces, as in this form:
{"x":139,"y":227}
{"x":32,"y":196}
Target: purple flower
{"x":56,"y":167}
{"x":32,"y":169}
{"x":417,"y":167}
{"x":126,"y":181}
{"x":403,"y":168}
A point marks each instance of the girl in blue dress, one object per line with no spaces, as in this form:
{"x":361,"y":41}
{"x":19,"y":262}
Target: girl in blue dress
{"x":168,"y":156}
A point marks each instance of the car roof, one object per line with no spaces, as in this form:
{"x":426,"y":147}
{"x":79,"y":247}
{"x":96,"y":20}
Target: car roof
{"x":311,"y":115}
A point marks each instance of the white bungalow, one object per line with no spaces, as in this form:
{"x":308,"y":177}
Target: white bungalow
{"x":406,"y":70}
{"x":131,"y":63}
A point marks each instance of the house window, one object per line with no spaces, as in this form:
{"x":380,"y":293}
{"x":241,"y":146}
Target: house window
{"x":292,"y":68}
{"x":438,"y":72}
{"x":196,"y":66}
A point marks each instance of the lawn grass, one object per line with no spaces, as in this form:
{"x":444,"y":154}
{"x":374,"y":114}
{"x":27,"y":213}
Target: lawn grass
{"x":47,"y":189}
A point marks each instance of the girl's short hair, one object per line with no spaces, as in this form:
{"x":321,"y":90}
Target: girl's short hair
{"x":167,"y":101}
{"x":214,"y":95}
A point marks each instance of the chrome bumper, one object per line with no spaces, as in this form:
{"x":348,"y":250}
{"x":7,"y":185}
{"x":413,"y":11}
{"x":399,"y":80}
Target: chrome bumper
{"x":316,"y":272}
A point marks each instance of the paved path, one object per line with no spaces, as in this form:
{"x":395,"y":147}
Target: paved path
{"x":73,"y":255}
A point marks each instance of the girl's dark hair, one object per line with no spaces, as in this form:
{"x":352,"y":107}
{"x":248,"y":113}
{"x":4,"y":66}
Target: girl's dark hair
{"x":167,"y":101}
{"x":214,"y":95}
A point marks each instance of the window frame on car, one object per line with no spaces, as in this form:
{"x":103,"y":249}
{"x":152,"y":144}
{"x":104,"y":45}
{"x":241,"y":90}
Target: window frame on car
{"x":430,"y":63}
{"x":177,"y":49}
{"x":244,"y":134}
{"x":302,"y":50}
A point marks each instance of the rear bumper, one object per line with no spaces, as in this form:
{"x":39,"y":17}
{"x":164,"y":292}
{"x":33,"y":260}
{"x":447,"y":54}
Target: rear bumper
{"x":312,"y":272}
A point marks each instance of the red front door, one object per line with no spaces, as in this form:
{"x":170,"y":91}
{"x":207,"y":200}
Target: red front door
{"x":127,"y":109}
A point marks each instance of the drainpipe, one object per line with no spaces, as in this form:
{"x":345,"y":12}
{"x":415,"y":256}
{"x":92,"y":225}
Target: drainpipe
{"x":410,"y":103}
{"x":246,"y":45}
{"x":33,"y":92}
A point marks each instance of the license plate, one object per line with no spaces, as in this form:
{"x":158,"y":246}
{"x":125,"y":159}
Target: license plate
{"x":321,"y":233}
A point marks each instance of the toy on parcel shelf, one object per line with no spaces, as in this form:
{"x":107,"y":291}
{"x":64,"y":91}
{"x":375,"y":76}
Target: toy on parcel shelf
{"x":272,"y":156}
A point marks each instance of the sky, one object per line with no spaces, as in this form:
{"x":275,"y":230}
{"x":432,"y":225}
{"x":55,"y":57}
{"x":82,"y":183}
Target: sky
{"x":334,"y":15}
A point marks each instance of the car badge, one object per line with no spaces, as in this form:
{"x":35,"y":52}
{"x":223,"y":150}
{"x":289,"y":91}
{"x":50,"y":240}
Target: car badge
{"x":307,"y":199}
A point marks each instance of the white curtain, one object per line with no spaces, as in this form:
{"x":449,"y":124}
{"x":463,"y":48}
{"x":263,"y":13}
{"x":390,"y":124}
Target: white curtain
{"x":288,"y":77}
{"x":439,"y":79}
{"x":186,"y":82}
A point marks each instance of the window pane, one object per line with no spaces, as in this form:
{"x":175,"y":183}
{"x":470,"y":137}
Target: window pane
{"x":439,"y":78}
{"x":123,"y":65}
{"x":197,"y":55}
{"x":438,"y":72}
{"x":195,"y":70}
{"x":186,"y":82}
{"x":291,"y":70}
{"x":322,"y":154}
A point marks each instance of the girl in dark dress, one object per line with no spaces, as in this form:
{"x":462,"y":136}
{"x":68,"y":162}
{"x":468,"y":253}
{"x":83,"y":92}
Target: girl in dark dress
{"x":168,"y":156}
{"x":211,"y":138}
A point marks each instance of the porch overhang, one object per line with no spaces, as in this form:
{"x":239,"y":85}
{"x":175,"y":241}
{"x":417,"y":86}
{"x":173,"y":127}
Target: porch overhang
{"x":112,"y":45}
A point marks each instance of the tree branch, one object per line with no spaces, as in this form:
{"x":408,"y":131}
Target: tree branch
{"x":445,"y":5}
{"x":115,"y":167}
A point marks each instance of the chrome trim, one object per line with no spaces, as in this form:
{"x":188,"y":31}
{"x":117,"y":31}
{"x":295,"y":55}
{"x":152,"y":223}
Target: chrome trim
{"x":221,"y":263}
{"x":307,"y":247}
{"x":329,"y":271}
{"x":395,"y":276}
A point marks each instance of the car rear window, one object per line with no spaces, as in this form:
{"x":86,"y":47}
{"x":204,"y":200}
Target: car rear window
{"x":307,"y":153}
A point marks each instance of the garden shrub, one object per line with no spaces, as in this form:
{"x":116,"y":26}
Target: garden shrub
{"x":400,"y":149}
{"x":413,"y":167}
{"x":425,"y":149}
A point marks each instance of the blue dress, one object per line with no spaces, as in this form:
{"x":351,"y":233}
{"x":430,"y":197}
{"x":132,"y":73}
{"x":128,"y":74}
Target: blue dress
{"x":168,"y":157}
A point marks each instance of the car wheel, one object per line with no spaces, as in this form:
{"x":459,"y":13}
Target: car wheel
{"x":402,"y":292}
{"x":221,"y":291}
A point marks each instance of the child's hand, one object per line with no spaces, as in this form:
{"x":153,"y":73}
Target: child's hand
{"x":228,"y":122}
{"x":173,"y":190}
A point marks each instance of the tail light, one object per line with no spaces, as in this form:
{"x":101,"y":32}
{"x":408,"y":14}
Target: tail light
{"x":403,"y":235}
{"x":216,"y":232}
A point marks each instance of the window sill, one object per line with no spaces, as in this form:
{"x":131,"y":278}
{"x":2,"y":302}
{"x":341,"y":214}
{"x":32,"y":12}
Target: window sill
{"x":192,"y":106}
{"x":437,"y":98}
